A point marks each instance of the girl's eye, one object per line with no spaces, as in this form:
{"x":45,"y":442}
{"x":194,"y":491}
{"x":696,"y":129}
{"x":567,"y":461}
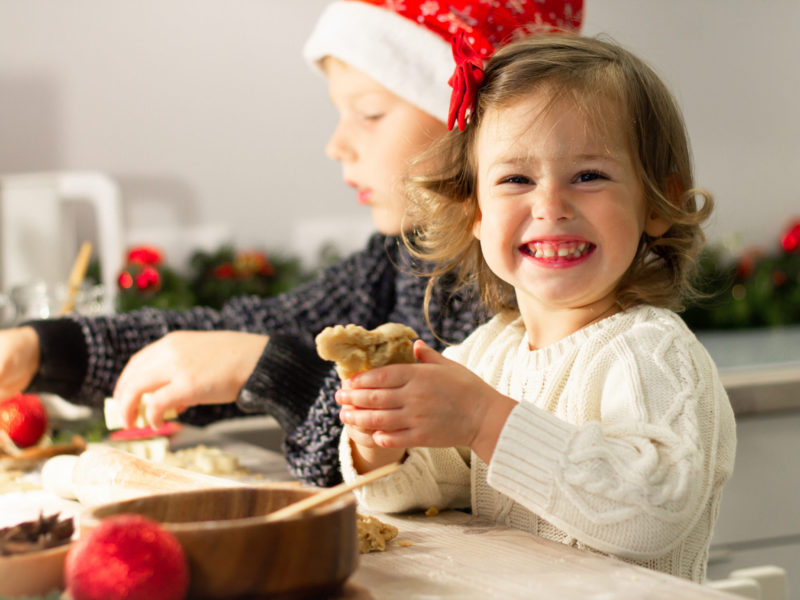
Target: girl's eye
{"x":589,"y":176}
{"x":373,"y":116}
{"x":517,"y":179}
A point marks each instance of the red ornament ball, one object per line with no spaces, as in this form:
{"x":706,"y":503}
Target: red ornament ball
{"x":790,"y":241}
{"x":127,"y":557}
{"x":148,"y":280}
{"x":24,"y":418}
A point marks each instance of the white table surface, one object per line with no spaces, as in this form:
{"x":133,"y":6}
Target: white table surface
{"x":454,"y":555}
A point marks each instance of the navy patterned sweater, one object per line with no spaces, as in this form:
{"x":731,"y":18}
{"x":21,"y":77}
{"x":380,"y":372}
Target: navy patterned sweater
{"x":81,"y":357}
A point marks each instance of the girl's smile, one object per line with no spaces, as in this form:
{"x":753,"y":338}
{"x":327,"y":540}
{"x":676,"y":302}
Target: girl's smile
{"x":558,"y":253}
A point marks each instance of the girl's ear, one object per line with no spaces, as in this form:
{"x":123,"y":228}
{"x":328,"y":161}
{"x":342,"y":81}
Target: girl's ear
{"x":656,"y":225}
{"x":476,"y":224}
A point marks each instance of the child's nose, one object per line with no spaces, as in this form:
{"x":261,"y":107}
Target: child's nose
{"x":338,"y":148}
{"x":551,"y":203}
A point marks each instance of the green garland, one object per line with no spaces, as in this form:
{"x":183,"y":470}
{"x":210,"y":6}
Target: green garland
{"x":754,"y":289}
{"x":211,"y":279}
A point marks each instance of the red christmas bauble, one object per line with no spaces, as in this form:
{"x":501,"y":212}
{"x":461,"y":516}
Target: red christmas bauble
{"x":790,"y":241}
{"x":127,"y":557}
{"x":24,"y":418}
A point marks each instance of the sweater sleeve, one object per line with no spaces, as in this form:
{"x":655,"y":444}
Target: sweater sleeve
{"x":636,"y":478}
{"x":437,"y":477}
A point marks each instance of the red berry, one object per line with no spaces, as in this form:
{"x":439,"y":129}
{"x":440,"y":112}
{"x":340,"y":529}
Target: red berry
{"x":127,"y":557}
{"x":23,"y":418}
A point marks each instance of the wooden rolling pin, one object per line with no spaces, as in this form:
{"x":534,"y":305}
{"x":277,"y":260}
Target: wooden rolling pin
{"x":102,"y":475}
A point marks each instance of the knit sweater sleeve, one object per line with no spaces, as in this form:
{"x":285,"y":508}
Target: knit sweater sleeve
{"x":636,"y":472}
{"x":437,"y":477}
{"x":92,"y":351}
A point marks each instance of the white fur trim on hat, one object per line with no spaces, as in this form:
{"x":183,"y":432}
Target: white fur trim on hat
{"x":407,"y":59}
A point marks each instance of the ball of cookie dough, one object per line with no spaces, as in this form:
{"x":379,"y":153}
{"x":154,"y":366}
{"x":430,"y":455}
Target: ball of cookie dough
{"x":355,"y":349}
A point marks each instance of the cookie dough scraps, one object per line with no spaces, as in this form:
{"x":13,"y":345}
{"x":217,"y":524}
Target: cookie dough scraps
{"x":373,"y":534}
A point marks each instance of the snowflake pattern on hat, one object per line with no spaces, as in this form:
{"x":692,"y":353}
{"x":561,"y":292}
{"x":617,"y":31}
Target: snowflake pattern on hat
{"x":488,"y":24}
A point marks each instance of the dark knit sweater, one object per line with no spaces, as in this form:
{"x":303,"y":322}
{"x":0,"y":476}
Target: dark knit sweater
{"x":82,"y":357}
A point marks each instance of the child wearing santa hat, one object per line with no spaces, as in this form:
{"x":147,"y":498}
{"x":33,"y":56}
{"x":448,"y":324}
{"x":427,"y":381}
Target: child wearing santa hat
{"x":388,"y":64}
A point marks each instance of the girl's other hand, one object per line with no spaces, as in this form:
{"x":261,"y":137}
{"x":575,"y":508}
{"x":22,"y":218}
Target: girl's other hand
{"x":187,"y":368}
{"x":19,"y":359}
{"x":436,"y":403}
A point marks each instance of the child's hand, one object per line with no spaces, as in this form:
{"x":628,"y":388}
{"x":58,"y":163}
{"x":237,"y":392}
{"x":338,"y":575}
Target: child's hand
{"x":19,"y":359}
{"x":186,"y":368}
{"x":438,"y":403}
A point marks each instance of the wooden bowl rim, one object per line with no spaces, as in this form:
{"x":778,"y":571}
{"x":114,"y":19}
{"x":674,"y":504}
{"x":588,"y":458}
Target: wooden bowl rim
{"x":8,"y":560}
{"x":89,"y":516}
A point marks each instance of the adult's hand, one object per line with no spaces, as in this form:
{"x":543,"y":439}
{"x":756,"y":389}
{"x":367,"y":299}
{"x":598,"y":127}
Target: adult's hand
{"x":19,"y":359}
{"x":187,"y":368}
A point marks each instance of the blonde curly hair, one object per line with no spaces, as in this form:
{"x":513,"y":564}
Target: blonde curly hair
{"x":444,"y":203}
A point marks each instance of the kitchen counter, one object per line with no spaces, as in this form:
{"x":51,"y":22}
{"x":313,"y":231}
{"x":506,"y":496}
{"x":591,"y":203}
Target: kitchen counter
{"x":760,"y":368}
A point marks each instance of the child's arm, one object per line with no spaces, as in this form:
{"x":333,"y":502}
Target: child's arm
{"x":436,"y":403}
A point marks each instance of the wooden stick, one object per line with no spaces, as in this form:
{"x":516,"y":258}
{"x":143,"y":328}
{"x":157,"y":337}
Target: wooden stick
{"x":76,"y":276}
{"x":330,"y":493}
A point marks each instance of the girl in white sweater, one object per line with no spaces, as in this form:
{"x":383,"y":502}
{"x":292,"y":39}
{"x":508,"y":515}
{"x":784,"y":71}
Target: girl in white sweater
{"x":585,"y":411}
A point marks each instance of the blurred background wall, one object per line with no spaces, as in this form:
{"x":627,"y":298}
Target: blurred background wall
{"x":205,"y":113}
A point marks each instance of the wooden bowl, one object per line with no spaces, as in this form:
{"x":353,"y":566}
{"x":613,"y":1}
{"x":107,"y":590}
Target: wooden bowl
{"x":32,"y":573}
{"x":232,"y":550}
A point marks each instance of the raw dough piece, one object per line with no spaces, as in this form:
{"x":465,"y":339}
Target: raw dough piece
{"x":373,"y":534}
{"x":355,"y":349}
{"x":112,"y":411}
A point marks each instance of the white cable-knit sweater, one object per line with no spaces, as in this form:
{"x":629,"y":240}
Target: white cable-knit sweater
{"x":621,"y":442}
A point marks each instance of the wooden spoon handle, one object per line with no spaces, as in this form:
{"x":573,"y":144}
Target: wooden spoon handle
{"x":330,"y":493}
{"x":76,"y":276}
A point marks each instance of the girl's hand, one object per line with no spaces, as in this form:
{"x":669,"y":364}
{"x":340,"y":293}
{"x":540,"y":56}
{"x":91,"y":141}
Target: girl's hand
{"x":438,"y":403}
{"x":367,"y":454}
{"x":186,"y":368}
{"x":19,"y":359}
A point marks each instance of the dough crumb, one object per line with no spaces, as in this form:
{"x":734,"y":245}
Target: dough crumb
{"x":405,"y":543}
{"x":373,"y":534}
{"x":432,"y":512}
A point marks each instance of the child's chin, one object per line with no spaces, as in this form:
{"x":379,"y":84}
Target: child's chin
{"x":385,"y":224}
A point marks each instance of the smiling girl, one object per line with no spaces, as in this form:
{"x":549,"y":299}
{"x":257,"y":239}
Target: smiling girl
{"x":584,"y":411}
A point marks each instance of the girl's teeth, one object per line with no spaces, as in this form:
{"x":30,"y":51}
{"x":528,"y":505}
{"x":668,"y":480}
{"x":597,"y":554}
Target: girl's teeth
{"x":539,"y":250}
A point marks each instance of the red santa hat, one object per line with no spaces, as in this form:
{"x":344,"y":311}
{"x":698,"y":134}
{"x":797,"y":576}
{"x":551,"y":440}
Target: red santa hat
{"x":405,"y":45}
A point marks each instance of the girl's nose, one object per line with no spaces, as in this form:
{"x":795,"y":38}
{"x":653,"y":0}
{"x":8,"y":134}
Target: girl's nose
{"x":338,"y":148}
{"x":552,"y":204}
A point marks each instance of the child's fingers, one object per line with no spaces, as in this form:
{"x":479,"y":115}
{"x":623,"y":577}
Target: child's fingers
{"x":361,"y":437}
{"x":393,"y":439}
{"x":390,"y":376}
{"x":425,"y":354}
{"x":379,"y":399}
{"x":373,"y":420}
